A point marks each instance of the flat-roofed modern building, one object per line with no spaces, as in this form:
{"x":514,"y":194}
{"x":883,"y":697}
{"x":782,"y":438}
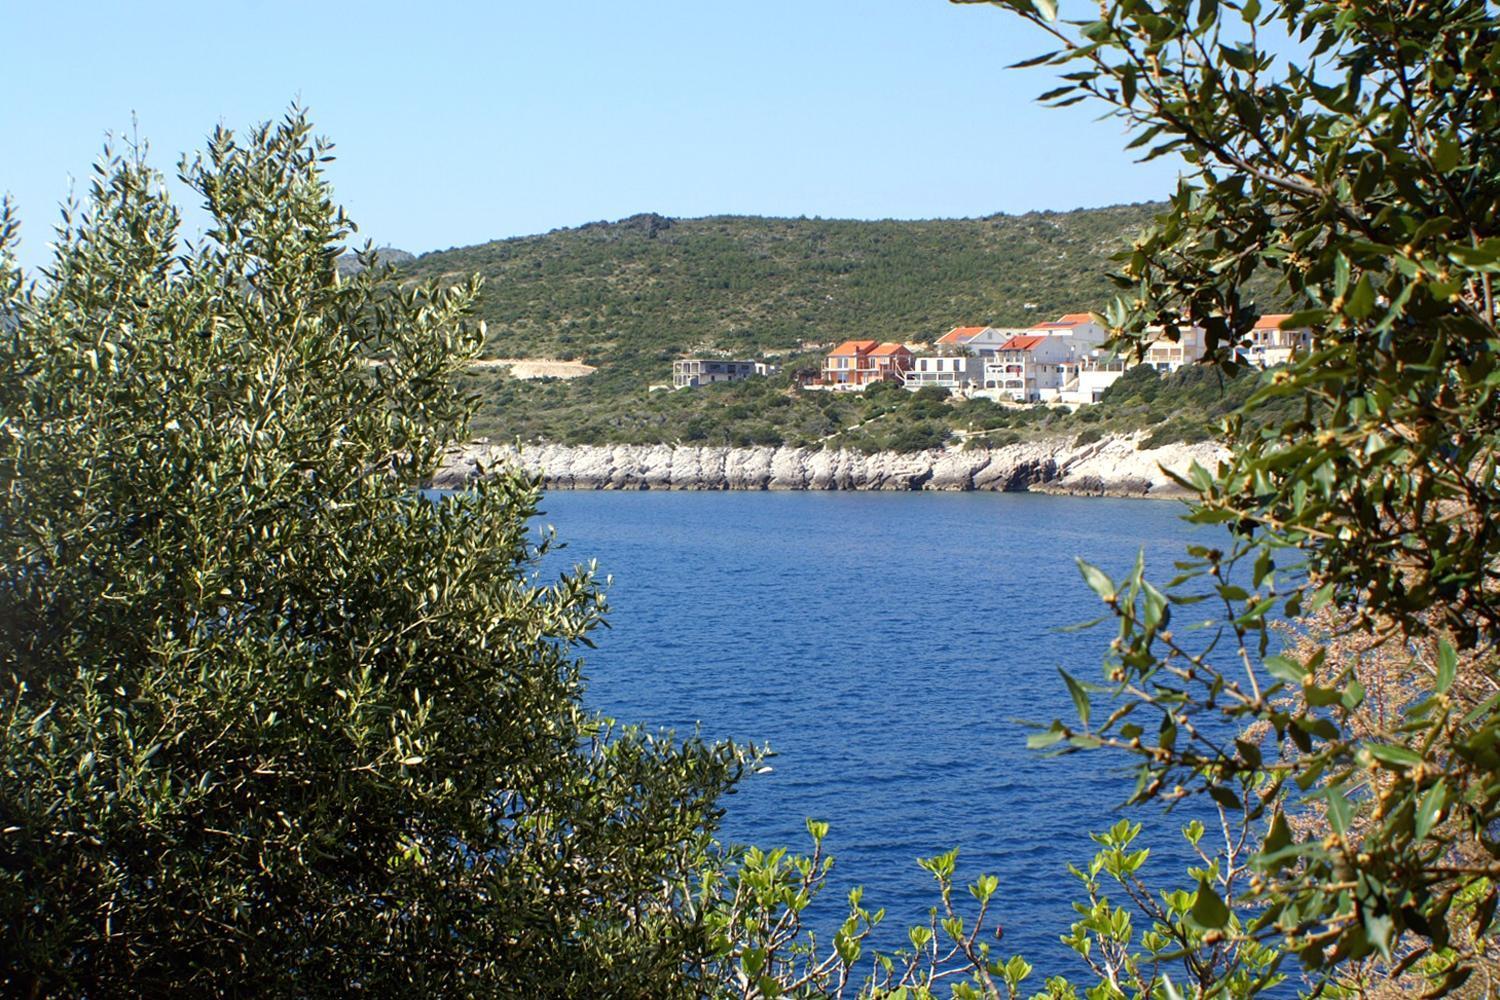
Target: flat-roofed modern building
{"x":954,"y":372}
{"x":689,"y":372}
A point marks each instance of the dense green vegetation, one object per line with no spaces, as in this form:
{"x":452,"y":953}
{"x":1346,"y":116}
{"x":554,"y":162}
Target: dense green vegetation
{"x":271,"y":723}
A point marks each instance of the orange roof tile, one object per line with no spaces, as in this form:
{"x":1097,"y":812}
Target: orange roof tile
{"x":1075,"y":319}
{"x":960,"y":334}
{"x":1271,"y":321}
{"x":886,"y":349}
{"x":853,"y":347}
{"x":1021,"y":343}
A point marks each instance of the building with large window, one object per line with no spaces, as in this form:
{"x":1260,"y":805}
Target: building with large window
{"x":956,"y":372}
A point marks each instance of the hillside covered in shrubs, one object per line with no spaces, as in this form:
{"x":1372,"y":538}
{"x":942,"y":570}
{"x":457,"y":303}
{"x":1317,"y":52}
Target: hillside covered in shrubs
{"x":1182,"y":406}
{"x":632,"y":296}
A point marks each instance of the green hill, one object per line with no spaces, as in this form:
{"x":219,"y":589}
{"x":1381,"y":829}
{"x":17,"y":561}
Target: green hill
{"x":631,"y":296}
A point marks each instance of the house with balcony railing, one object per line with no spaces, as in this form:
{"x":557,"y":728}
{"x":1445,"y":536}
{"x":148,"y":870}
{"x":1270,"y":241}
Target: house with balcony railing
{"x":956,"y":373}
{"x":1272,"y":345}
{"x":855,"y":364}
{"x":690,"y":372}
{"x":1085,"y":379}
{"x":1028,"y":368}
{"x":1166,"y":355}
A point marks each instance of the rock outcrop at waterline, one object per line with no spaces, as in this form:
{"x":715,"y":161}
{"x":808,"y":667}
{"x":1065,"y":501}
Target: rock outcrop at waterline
{"x":1112,"y":466}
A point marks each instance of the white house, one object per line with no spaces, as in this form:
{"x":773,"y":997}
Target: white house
{"x":980,"y":341}
{"x":1030,"y":367}
{"x":1271,"y":345}
{"x":1167,"y":355}
{"x":1084,"y":380}
{"x":1082,"y":327}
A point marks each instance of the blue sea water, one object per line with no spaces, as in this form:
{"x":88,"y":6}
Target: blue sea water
{"x":888,"y":646}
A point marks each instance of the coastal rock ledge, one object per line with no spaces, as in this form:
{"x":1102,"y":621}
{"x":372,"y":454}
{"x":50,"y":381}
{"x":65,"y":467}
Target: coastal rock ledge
{"x":1112,"y":466}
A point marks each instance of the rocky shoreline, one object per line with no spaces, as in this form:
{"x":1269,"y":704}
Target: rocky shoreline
{"x":1112,"y":466}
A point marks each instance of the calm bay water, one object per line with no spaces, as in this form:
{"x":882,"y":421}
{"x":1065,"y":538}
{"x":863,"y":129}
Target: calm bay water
{"x":887,"y":646}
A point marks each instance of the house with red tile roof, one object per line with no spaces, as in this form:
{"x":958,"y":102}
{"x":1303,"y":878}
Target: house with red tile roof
{"x":855,"y":364}
{"x":980,"y":341}
{"x":958,"y":364}
{"x":1031,"y":367}
{"x":1081,"y":326}
{"x":1271,"y":345}
{"x":960,"y":335}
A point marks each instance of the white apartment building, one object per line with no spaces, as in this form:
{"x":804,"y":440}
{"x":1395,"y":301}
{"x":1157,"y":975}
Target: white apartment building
{"x":1084,"y":380}
{"x":1030,"y":367}
{"x":1167,"y":356}
{"x":1271,"y":345}
{"x":980,"y":341}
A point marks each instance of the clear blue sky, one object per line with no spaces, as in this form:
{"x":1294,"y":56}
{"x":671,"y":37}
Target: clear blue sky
{"x":460,"y":122}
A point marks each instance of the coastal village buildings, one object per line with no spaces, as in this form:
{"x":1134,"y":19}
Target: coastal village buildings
{"x":1058,"y":361}
{"x":855,"y":364}
{"x":1037,"y":364}
{"x":959,"y":364}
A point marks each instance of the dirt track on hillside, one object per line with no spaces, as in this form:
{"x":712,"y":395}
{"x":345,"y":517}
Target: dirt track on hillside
{"x":528,"y":368}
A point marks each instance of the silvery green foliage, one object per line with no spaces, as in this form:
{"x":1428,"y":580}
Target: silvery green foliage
{"x":1133,"y":938}
{"x":275,"y":724}
{"x":1350,"y":151}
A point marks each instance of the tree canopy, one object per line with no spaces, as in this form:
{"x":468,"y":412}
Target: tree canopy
{"x":1336,"y":704}
{"x":1351,"y":150}
{"x":274,"y":723}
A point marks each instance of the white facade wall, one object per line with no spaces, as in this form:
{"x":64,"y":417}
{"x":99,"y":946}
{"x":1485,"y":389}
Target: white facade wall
{"x":1091,"y":383}
{"x":1166,"y":356}
{"x":1086,"y":335}
{"x":1090,"y":333}
{"x":1275,"y":347}
{"x":985,"y":343}
{"x":1024,"y":375}
{"x":948,"y":372}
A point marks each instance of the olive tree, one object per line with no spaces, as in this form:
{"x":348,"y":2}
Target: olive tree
{"x":1349,"y":152}
{"x":273,"y":721}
